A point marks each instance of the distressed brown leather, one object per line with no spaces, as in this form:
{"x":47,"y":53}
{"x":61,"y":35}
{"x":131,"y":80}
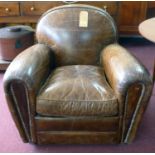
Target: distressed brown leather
{"x":96,"y":123}
{"x":99,"y":93}
{"x":123,"y":71}
{"x":22,"y":81}
{"x":79,"y":90}
{"x":74,"y":137}
{"x":59,"y":28}
{"x":31,"y":67}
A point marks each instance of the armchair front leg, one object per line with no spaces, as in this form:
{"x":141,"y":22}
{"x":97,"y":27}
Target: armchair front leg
{"x":22,"y":81}
{"x":132,"y":84}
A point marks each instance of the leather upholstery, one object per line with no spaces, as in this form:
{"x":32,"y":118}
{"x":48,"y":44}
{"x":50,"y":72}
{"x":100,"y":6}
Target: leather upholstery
{"x":29,"y":70}
{"x":79,"y":90}
{"x":58,"y":102}
{"x":119,"y":64}
{"x":25,"y":75}
{"x":123,"y":71}
{"x":59,"y":28}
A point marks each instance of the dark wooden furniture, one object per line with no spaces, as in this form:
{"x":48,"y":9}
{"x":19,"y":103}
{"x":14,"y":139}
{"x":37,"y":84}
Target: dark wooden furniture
{"x":150,"y":9}
{"x":127,"y":14}
{"x":30,"y":12}
{"x":76,"y":85}
{"x":130,"y":13}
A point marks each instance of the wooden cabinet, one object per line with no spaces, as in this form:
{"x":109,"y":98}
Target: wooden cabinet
{"x":131,"y":14}
{"x":150,"y":9}
{"x":31,"y":11}
{"x":37,"y":8}
{"x":9,"y":9}
{"x":127,"y":14}
{"x":110,"y":6}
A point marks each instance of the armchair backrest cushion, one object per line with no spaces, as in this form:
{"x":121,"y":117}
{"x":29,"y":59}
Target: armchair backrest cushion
{"x":77,"y":33}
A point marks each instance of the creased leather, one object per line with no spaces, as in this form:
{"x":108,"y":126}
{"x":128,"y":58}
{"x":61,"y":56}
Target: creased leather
{"x":122,"y":71}
{"x":31,"y":66}
{"x":27,"y":71}
{"x":75,"y":91}
{"x":59,"y":28}
{"x":81,"y":89}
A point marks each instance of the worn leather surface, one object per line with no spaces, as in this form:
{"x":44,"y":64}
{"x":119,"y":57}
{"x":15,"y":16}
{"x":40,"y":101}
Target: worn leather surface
{"x":22,"y":81}
{"x":122,"y":69}
{"x":79,"y":90}
{"x":31,"y":66}
{"x":76,"y":91}
{"x":124,"y":73}
{"x":95,"y":123}
{"x":74,"y":137}
{"x":59,"y":28}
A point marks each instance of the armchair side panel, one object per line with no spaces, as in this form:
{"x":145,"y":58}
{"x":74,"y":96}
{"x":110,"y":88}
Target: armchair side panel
{"x":22,"y":81}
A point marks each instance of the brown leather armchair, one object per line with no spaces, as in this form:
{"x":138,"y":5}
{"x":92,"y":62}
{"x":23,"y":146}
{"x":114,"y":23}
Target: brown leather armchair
{"x":77,"y":85}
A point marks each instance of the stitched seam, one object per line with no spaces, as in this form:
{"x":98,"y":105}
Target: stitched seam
{"x":77,"y":100}
{"x":31,"y":120}
{"x":28,"y":105}
{"x":133,"y":117}
{"x":123,"y":119}
{"x":21,"y":118}
{"x":135,"y":113}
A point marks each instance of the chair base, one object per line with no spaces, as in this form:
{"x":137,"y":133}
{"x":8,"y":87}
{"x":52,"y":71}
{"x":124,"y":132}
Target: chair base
{"x":78,"y":130}
{"x":73,"y":137}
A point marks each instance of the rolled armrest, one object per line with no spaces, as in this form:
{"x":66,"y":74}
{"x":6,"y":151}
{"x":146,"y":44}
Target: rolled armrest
{"x":31,"y":67}
{"x":22,"y":81}
{"x":131,"y":83}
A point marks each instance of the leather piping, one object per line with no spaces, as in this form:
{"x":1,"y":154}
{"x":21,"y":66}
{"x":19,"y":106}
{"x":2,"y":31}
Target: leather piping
{"x":20,"y":116}
{"x":31,"y":122}
{"x":125,"y":140}
{"x":111,"y":100}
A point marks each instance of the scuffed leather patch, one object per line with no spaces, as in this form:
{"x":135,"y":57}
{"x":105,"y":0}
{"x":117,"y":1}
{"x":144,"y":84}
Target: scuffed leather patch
{"x":78,"y":90}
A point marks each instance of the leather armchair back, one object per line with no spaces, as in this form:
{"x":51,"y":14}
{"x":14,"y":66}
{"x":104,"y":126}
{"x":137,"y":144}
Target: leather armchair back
{"x":76,"y":33}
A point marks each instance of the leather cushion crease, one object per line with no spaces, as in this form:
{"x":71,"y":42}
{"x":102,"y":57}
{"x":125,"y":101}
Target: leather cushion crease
{"x":79,"y":90}
{"x":78,"y":85}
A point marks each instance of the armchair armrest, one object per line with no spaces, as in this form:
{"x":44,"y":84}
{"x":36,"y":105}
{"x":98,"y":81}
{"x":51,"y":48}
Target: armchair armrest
{"x":22,"y":81}
{"x":131,"y":83}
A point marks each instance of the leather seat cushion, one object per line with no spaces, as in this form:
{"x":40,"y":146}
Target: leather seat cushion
{"x":78,"y":90}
